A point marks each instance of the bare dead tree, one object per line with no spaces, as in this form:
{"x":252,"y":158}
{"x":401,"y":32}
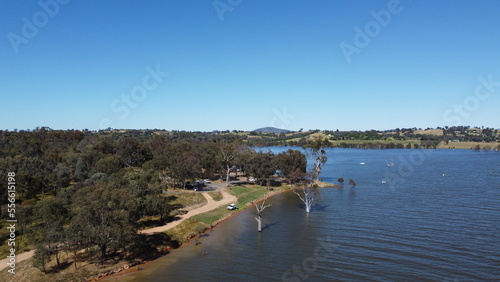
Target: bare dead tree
{"x":227,"y":157}
{"x":260,"y":208}
{"x":307,"y":194}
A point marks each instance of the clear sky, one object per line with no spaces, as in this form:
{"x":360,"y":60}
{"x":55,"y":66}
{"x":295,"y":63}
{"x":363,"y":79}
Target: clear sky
{"x":245,"y":64}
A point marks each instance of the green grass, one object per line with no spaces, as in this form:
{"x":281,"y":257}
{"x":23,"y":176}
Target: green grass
{"x":217,"y":196}
{"x":212,"y":216}
{"x":247,"y":194}
{"x":186,"y":230}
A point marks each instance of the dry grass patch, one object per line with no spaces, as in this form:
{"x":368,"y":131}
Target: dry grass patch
{"x":217,"y":196}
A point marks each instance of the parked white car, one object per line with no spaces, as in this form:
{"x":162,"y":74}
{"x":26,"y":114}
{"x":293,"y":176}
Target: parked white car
{"x":232,"y":207}
{"x":207,"y":181}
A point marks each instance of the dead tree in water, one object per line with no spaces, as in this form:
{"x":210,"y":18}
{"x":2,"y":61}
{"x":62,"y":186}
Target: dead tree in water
{"x":307,"y":193}
{"x":260,"y":207}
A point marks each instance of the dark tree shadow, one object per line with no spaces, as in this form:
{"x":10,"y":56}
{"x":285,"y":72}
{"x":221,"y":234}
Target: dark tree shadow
{"x":146,"y":246}
{"x":269,"y":225}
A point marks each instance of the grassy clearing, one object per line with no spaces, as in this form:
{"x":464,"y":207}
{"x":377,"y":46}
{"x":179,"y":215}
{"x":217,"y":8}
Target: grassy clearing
{"x":217,"y":196}
{"x":246,"y":194}
{"x":466,"y":145}
{"x":186,"y":230}
{"x":212,"y":216}
{"x":186,"y":199}
{"x":430,"y":132}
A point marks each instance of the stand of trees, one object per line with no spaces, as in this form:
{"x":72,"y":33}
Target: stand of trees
{"x":82,"y":190}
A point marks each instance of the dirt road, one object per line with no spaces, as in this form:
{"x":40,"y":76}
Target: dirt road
{"x":19,"y":258}
{"x":211,"y":205}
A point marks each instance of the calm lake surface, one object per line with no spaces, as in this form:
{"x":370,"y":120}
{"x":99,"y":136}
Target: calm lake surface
{"x":437,"y":218}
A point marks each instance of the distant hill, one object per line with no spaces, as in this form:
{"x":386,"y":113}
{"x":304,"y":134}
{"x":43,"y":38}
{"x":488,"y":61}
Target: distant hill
{"x":271,"y":130}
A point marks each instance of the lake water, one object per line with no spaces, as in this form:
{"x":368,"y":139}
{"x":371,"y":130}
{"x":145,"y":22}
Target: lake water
{"x":437,"y":218}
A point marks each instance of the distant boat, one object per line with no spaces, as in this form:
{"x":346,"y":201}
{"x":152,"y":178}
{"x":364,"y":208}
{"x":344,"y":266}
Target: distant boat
{"x":384,"y":181}
{"x":361,"y":163}
{"x":493,"y":173}
{"x":389,"y":163}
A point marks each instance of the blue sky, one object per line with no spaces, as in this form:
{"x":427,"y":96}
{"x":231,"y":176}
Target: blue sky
{"x":242,"y":64}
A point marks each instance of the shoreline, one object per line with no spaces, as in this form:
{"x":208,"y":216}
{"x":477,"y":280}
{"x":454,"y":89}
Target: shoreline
{"x":162,"y":253}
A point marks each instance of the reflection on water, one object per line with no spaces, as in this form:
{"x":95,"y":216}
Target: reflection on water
{"x":429,"y":226}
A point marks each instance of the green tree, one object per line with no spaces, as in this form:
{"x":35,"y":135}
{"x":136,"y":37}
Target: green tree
{"x":41,"y":258}
{"x":103,"y":216}
{"x":47,"y":229}
{"x":291,"y":164}
{"x":133,"y":153}
{"x":261,"y":166}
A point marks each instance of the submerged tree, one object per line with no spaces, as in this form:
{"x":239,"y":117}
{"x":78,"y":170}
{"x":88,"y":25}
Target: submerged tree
{"x":260,"y":208}
{"x":307,"y":193}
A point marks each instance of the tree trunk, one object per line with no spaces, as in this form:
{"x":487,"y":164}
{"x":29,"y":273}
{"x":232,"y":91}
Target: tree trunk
{"x":76,"y":259}
{"x":58,"y":261}
{"x":308,"y":206}
{"x":259,"y":223}
{"x":227,"y":176}
{"x":103,"y":250}
{"x":260,"y":207}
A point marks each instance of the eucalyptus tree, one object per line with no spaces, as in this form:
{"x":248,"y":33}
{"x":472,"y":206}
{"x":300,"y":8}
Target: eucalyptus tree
{"x":316,"y":151}
{"x":261,"y":166}
{"x":291,"y":164}
{"x":227,"y":158}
